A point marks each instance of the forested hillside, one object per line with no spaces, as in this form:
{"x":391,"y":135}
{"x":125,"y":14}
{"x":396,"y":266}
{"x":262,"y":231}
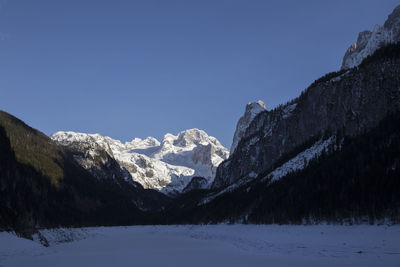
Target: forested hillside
{"x":42,"y":186}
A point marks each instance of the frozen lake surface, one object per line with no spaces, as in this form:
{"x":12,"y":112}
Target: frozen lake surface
{"x":212,"y":245}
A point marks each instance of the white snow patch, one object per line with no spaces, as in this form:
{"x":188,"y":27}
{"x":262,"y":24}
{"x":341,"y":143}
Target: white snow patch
{"x":229,"y":188}
{"x":300,"y":160}
{"x":338,"y":78}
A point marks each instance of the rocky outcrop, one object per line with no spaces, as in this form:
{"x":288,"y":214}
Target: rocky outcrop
{"x":252,"y":109}
{"x":196,"y":183}
{"x":369,"y":41}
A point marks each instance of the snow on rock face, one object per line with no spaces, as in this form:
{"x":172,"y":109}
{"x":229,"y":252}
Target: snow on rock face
{"x":300,"y":161}
{"x":369,"y":41}
{"x":94,"y":148}
{"x":252,"y":109}
{"x":167,"y":166}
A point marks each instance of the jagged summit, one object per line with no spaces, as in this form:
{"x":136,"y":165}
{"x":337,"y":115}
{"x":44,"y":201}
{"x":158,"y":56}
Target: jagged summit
{"x":255,"y":107}
{"x":168,"y":165}
{"x":252,"y":109}
{"x":193,"y":137}
{"x":147,"y":142}
{"x":369,"y":41}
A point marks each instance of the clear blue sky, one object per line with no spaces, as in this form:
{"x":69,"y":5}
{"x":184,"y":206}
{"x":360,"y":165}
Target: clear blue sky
{"x":144,"y":68}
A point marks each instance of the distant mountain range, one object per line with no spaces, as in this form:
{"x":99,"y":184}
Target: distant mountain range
{"x":332,"y":154}
{"x":167,"y":166}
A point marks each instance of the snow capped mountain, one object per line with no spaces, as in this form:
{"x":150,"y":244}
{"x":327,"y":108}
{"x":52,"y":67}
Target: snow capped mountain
{"x":167,"y":166}
{"x":252,"y":109}
{"x":369,"y":41}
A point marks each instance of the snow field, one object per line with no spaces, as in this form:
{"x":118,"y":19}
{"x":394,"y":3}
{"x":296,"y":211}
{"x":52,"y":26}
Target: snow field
{"x":212,"y":245}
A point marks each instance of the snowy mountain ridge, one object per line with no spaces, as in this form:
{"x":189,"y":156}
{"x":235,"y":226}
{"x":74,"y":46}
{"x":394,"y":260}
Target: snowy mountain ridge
{"x":167,"y":166}
{"x":369,"y":41}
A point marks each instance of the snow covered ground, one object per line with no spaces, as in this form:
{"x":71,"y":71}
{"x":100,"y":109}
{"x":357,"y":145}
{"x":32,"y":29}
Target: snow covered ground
{"x":215,"y":245}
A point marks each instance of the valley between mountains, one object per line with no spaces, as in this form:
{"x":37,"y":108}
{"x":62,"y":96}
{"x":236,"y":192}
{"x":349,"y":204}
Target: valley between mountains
{"x":331,"y":155}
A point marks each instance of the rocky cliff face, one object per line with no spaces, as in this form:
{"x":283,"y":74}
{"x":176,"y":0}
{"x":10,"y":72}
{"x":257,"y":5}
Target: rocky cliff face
{"x":350,"y":101}
{"x":167,"y":166}
{"x":195,"y":184}
{"x":252,"y":109}
{"x":369,"y":41}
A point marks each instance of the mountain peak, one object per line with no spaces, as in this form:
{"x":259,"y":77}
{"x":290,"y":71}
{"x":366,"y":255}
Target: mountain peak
{"x":252,"y":109}
{"x":369,"y":41}
{"x":139,"y":143}
{"x":255,"y":107}
{"x":191,"y":137}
